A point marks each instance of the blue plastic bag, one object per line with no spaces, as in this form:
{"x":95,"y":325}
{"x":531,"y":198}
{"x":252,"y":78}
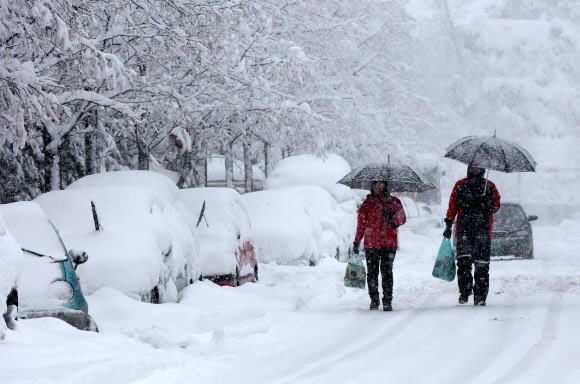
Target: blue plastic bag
{"x":356,"y":274}
{"x":444,"y":267}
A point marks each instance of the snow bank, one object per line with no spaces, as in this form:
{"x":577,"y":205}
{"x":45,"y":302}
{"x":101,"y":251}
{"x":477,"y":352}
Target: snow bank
{"x":10,"y":263}
{"x":313,"y":170}
{"x":225,"y":227}
{"x":145,"y":242}
{"x":299,"y":224}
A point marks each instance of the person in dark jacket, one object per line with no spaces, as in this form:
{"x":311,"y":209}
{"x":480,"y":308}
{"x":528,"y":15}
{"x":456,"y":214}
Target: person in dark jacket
{"x":378,"y":219}
{"x":473,"y":200}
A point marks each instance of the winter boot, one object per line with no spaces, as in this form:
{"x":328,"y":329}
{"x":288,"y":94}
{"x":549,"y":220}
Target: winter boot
{"x":387,"y":307}
{"x":374,"y":303}
{"x":463,"y":299}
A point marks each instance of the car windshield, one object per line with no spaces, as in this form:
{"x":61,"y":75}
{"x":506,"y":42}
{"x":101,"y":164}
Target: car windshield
{"x":43,"y":251}
{"x":509,"y":216}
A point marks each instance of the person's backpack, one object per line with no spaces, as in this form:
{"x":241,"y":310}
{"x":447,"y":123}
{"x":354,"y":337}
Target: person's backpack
{"x":356,"y":274}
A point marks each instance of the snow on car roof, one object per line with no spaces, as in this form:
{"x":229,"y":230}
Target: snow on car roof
{"x":312,"y":170}
{"x":147,"y":179}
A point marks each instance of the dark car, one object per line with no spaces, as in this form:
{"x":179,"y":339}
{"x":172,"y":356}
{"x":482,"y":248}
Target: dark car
{"x":512,"y":232}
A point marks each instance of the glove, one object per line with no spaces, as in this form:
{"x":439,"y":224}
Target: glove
{"x":447,"y":231}
{"x":488,"y":201}
{"x":355,"y":248}
{"x":388,"y":215}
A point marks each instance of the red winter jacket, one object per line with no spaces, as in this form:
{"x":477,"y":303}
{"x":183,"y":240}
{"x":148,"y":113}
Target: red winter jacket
{"x":373,"y":226}
{"x":451,"y":212}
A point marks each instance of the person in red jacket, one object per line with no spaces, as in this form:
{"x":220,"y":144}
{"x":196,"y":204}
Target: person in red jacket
{"x":378,"y":219}
{"x":473,"y":200}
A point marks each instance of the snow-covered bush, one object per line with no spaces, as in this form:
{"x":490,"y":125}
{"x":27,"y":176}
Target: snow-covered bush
{"x":299,"y":224}
{"x":145,"y":247}
{"x":10,"y":262}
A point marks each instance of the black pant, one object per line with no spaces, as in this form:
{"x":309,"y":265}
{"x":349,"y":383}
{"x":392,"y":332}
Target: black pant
{"x":380,"y":258}
{"x":473,"y":248}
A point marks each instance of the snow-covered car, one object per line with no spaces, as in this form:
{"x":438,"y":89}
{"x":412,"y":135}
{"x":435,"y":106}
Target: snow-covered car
{"x":225,"y":235}
{"x":48,"y":284}
{"x":139,"y":243}
{"x":315,"y":170}
{"x":10,"y":261}
{"x":299,"y":224}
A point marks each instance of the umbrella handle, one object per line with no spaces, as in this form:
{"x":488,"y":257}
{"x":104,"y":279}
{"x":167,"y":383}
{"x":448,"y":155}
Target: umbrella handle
{"x":486,"y":180}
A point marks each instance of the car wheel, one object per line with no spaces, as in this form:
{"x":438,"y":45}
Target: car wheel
{"x":529,"y":255}
{"x":155,"y":295}
{"x":256,"y":273}
{"x":11,"y":315}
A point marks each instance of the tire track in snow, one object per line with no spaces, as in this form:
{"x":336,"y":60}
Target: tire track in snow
{"x":549,"y":334}
{"x":493,"y":349}
{"x":377,"y":341}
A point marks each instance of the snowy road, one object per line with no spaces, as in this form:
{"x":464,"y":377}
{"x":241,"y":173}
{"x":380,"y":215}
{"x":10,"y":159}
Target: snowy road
{"x":300,"y":324}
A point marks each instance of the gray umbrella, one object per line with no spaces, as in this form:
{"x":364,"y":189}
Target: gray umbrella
{"x":399,"y":177}
{"x":491,"y":152}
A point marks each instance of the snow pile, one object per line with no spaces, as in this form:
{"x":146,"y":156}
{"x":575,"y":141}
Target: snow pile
{"x":145,"y":242}
{"x":299,"y":224}
{"x":10,"y":263}
{"x":224,"y":228}
{"x":313,"y":170}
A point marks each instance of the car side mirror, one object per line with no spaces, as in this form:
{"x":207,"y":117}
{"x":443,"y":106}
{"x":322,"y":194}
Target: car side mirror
{"x":78,"y":257}
{"x":532,"y":217}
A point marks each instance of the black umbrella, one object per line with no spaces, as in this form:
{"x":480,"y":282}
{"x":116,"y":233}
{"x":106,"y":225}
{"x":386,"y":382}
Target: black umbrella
{"x":399,"y":177}
{"x":491,"y":152}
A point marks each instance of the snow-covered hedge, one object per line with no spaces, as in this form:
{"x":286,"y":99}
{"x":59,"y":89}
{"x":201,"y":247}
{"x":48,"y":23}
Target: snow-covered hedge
{"x":10,"y":263}
{"x":146,"y":240}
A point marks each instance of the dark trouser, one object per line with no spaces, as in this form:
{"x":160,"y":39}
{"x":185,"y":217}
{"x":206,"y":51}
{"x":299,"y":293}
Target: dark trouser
{"x":380,"y":259}
{"x":473,"y":248}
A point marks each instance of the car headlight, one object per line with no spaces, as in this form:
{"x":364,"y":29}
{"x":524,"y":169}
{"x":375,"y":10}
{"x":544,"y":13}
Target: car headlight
{"x":521,"y":233}
{"x":61,"y":290}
